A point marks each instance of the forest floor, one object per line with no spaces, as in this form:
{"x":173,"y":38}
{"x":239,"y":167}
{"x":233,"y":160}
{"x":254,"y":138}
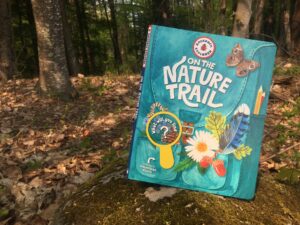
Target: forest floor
{"x":48,"y":147}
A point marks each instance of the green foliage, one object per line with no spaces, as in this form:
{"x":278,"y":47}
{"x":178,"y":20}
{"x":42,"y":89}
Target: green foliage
{"x":4,"y":213}
{"x":242,"y":151}
{"x":86,"y":143}
{"x":289,"y":175}
{"x":295,"y":110}
{"x":101,"y":89}
{"x":215,"y":123}
{"x":201,"y":169}
{"x":184,"y":164}
{"x":293,"y":70}
{"x":110,"y":156}
{"x":32,"y":165}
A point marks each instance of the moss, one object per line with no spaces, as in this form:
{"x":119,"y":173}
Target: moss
{"x":122,"y":201}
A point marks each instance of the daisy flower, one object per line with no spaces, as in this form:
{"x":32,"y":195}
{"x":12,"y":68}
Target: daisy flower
{"x":201,"y":145}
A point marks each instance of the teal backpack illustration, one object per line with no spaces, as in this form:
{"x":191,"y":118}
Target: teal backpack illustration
{"x":200,"y":117}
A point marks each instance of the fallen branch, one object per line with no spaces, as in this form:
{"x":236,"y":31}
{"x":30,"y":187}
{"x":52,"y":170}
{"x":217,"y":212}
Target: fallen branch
{"x":274,"y":94}
{"x":280,"y":152}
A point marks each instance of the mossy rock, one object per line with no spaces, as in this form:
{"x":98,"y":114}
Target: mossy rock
{"x":110,"y":198}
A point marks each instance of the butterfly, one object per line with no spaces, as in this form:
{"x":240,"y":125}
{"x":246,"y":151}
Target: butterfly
{"x":243,"y":66}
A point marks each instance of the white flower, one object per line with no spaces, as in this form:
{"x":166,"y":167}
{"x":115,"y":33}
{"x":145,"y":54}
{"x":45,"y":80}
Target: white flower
{"x":201,"y":145}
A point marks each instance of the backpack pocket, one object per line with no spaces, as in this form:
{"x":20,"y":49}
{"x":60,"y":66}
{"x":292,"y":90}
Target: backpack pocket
{"x":147,"y":161}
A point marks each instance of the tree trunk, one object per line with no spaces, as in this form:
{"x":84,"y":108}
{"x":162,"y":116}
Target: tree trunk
{"x":70,"y":53}
{"x":82,"y":37}
{"x":296,"y":28}
{"x":161,"y":12}
{"x":6,"y":50}
{"x":242,"y":18}
{"x":91,"y":55}
{"x":33,"y":36}
{"x":223,"y":17}
{"x":54,"y":77}
{"x":258,"y":18}
{"x":115,"y":36}
{"x":287,"y":29}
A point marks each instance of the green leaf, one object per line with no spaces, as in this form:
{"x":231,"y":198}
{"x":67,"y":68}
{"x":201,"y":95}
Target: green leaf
{"x":242,"y":151}
{"x":289,"y":175}
{"x":215,"y":123}
{"x":184,"y":164}
{"x":201,"y":169}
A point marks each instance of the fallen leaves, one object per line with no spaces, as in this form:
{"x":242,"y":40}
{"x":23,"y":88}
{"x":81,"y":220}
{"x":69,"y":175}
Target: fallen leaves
{"x":48,"y":148}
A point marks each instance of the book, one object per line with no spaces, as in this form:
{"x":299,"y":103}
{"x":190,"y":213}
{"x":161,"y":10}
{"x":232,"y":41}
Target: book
{"x":201,"y":111}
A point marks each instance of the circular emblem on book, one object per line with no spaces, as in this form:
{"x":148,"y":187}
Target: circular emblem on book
{"x":204,"y":47}
{"x":163,"y":130}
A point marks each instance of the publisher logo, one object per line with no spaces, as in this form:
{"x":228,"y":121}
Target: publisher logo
{"x":204,"y":47}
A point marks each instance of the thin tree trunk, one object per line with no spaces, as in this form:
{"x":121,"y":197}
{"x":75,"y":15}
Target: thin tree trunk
{"x":70,"y":53}
{"x":91,"y":55}
{"x":242,"y":18}
{"x":223,"y":17}
{"x":82,"y":37}
{"x":287,"y":29}
{"x":296,"y":28}
{"x":161,"y":12}
{"x":115,"y":36}
{"x":6,"y":50}
{"x":54,"y":77}
{"x":258,"y":18}
{"x":33,"y":36}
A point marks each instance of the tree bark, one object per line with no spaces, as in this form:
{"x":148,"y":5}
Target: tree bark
{"x":242,"y":19}
{"x":161,"y":12}
{"x":258,"y":18}
{"x":82,"y":37}
{"x":6,"y":50}
{"x":296,"y":28}
{"x":223,"y":17}
{"x":287,"y":30}
{"x":54,"y":77}
{"x":33,"y":36}
{"x":70,"y":53}
{"x":115,"y":36}
{"x":91,"y":55}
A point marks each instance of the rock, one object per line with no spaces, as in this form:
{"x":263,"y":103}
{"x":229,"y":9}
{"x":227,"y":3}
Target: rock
{"x":288,"y":65}
{"x":82,"y":177}
{"x":110,"y":198}
{"x":154,"y":195}
{"x":116,"y":145}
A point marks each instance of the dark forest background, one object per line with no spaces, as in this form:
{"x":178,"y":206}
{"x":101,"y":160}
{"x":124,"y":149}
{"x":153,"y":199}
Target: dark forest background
{"x":89,"y":53}
{"x":108,"y":36}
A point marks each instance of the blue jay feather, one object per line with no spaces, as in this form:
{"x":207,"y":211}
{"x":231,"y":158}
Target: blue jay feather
{"x":236,"y":130}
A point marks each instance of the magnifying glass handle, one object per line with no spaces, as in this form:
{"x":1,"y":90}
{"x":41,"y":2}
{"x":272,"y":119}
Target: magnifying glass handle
{"x":166,"y":157}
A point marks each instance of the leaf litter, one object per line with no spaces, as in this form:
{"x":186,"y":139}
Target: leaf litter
{"x":48,"y":147}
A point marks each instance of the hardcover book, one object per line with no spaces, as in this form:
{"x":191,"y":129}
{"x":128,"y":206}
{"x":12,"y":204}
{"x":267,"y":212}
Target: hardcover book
{"x":200,"y":118}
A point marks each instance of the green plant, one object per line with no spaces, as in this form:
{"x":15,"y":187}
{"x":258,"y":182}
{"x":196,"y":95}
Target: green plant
{"x":32,"y":165}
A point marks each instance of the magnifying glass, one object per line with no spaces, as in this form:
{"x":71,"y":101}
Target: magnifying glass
{"x":164,"y":129}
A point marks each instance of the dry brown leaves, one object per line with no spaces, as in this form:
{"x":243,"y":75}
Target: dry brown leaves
{"x":49,"y":147}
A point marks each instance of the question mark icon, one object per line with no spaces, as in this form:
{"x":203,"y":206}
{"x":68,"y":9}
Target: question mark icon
{"x":166,"y":130}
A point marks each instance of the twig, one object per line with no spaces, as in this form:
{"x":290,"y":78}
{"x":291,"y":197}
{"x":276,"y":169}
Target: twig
{"x":281,"y":97}
{"x":280,"y":152}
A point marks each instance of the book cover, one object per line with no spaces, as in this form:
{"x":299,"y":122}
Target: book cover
{"x":200,"y":116}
